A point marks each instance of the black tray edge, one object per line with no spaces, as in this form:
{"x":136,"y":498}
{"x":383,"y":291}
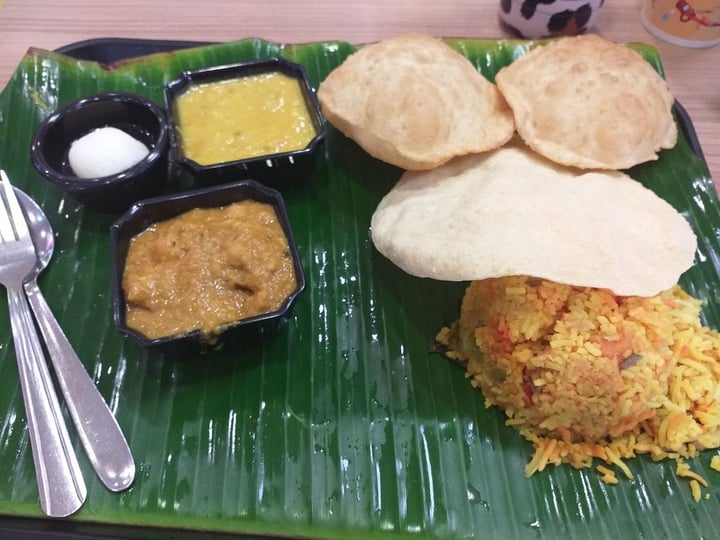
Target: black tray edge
{"x":115,"y":49}
{"x":686,"y":126}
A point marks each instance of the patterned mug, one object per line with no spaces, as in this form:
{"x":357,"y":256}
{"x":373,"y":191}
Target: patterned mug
{"x":535,"y":19}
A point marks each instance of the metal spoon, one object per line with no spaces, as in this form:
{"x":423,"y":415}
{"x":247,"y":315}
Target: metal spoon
{"x":98,"y":429}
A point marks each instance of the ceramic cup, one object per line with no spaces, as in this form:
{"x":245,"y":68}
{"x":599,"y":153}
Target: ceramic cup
{"x":535,"y":19}
{"x":688,"y":23}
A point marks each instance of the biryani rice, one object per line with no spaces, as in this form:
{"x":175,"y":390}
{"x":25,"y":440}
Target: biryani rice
{"x":584,"y":374}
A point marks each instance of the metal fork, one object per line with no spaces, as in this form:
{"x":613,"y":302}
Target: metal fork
{"x":61,"y":486}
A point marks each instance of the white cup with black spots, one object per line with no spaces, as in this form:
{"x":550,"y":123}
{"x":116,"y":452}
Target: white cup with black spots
{"x":536,"y":19}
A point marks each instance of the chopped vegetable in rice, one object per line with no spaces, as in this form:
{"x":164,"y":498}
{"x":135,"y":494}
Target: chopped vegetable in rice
{"x":583,"y":374}
{"x":695,"y":490}
{"x":683,"y":471}
{"x":608,"y":475}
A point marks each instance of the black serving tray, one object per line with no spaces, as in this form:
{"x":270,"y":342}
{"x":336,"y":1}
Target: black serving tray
{"x":111,"y":50}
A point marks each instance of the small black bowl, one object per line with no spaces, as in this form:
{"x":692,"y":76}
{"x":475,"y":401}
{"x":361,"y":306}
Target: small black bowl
{"x":147,"y":212}
{"x":134,"y":114}
{"x":276,"y":170}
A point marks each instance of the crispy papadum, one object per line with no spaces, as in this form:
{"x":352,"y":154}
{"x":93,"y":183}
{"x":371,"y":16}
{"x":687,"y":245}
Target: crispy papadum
{"x":415,"y":102}
{"x":512,"y":212}
{"x":589,"y":103}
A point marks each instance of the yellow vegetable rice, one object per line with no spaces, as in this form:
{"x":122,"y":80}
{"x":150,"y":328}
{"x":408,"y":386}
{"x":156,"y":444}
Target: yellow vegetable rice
{"x":583,"y":373}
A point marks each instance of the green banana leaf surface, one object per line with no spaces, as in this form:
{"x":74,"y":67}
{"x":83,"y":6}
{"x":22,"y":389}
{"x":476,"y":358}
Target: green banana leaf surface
{"x":345,"y":424}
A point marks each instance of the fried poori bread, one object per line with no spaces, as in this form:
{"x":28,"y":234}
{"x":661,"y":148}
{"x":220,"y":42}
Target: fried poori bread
{"x":590,"y":103}
{"x":415,"y":102}
{"x":512,"y":212}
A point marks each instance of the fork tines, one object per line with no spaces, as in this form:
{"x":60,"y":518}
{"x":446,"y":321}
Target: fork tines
{"x":12,"y":220}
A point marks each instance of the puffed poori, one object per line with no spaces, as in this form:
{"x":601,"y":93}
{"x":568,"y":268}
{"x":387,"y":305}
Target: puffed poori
{"x":590,"y":103}
{"x":415,"y":102}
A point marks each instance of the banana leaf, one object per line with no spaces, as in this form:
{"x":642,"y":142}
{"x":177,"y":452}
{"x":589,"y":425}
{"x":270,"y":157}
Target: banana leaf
{"x":346,"y":424}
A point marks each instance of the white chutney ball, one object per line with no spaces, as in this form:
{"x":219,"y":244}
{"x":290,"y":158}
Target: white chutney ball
{"x":105,"y":151}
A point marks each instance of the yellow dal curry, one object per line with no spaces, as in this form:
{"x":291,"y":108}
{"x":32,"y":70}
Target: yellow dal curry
{"x":206,"y":268}
{"x":243,"y":118}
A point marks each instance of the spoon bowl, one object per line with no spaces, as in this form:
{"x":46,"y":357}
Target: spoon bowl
{"x":40,"y":230}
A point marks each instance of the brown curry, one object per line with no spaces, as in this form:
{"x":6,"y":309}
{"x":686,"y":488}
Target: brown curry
{"x":207,"y":268}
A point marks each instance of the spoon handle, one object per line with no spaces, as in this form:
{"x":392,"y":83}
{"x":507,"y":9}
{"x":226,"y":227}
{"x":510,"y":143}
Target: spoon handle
{"x":61,"y":487}
{"x":96,"y":425}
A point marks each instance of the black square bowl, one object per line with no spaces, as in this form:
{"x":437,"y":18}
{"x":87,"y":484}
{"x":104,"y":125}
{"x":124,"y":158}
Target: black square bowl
{"x":150,"y":211}
{"x":132,"y":113}
{"x":277,"y":170}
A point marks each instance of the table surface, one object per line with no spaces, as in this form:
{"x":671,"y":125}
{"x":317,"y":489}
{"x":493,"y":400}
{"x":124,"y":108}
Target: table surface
{"x":692,"y":73}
